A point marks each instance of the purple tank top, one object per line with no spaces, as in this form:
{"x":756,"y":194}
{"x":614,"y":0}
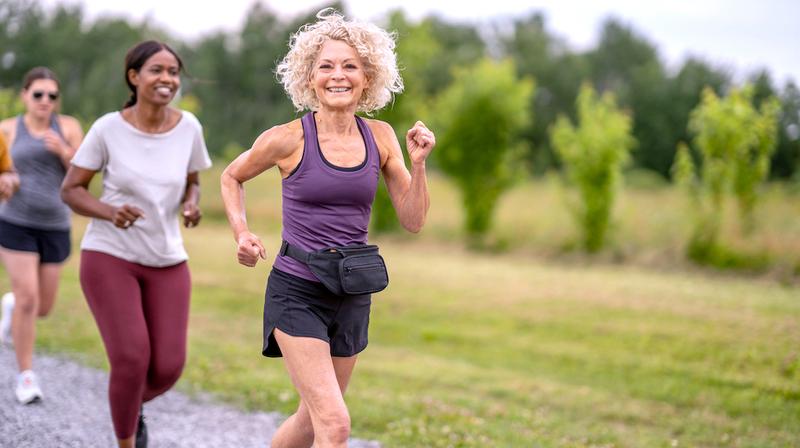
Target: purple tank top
{"x":325,"y":205}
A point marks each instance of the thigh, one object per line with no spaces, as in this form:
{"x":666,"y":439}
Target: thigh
{"x":23,"y":271}
{"x":165,"y":297}
{"x":343,"y":366}
{"x":311,"y":369}
{"x":114,"y":297}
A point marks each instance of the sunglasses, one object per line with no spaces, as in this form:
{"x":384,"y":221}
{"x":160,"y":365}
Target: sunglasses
{"x":38,"y":95}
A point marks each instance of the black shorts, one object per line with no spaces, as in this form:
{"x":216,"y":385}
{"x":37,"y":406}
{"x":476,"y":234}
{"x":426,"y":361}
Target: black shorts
{"x":53,"y":246}
{"x":300,"y":307}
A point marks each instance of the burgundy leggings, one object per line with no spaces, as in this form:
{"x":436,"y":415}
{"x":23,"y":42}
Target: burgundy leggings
{"x":142,"y":314}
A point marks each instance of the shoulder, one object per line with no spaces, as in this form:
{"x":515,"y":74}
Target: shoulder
{"x":282,"y":139}
{"x":110,"y":119}
{"x":379,"y":128}
{"x":68,"y":123}
{"x":8,"y":125}
{"x":382,"y":131}
{"x":190,"y":119}
{"x":385,"y":139}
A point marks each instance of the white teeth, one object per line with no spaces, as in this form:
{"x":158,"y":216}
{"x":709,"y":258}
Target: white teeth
{"x":338,"y":89}
{"x":164,"y":90}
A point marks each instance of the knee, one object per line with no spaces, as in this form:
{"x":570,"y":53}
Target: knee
{"x":129,"y":365}
{"x":337,"y":426}
{"x":26,"y":302}
{"x":163,"y":375}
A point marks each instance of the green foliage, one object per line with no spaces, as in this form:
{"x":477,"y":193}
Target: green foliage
{"x":478,"y":119}
{"x":753,"y":160}
{"x":735,"y":143}
{"x":190,"y":103}
{"x":417,"y":51}
{"x":384,"y":217}
{"x":786,"y":160}
{"x":10,"y":104}
{"x":558,"y":72}
{"x":593,"y":154}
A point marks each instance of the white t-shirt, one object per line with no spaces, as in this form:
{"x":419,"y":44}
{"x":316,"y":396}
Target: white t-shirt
{"x":147,"y":171}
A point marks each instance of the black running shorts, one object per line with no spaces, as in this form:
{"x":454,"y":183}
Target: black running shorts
{"x":301,"y":307}
{"x":53,"y":246}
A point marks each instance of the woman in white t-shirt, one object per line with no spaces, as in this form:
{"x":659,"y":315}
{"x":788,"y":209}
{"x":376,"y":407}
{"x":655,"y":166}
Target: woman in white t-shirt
{"x":133,"y":265}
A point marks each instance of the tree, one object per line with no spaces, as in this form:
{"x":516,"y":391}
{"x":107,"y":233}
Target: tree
{"x":593,"y":155}
{"x":478,"y":119}
{"x":786,"y":159}
{"x":87,"y":57}
{"x":558,"y":73}
{"x":735,"y":142}
{"x":417,"y":49}
{"x":427,"y":52}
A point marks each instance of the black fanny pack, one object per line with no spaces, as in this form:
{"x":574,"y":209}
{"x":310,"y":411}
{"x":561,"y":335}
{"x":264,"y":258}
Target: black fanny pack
{"x":348,"y":270}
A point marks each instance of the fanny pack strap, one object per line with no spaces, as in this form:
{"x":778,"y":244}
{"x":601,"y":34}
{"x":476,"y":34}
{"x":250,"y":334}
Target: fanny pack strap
{"x":294,"y":252}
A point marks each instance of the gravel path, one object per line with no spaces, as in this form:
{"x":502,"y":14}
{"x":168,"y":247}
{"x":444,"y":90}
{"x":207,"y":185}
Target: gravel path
{"x":74,"y":413}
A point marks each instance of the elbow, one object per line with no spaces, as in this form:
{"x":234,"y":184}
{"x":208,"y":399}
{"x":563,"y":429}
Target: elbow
{"x":225,"y":178}
{"x":68,"y":196}
{"x":414,"y":227}
{"x":65,"y":196}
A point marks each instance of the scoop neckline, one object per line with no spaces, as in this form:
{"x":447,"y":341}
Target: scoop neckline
{"x":166,"y":133}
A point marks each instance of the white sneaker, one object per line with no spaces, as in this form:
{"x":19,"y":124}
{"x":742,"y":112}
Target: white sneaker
{"x":28,"y":389}
{"x":7,"y":309}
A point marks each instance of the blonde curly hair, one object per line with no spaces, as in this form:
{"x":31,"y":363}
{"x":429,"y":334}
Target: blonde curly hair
{"x":374,"y":46}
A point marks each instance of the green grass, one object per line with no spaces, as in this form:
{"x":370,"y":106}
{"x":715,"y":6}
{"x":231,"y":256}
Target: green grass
{"x":521,"y":349}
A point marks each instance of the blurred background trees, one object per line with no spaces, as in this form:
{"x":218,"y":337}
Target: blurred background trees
{"x":231,"y":86}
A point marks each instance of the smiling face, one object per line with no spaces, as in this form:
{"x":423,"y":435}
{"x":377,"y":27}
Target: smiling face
{"x":158,"y":80}
{"x":338,"y":77}
{"x":41,"y":98}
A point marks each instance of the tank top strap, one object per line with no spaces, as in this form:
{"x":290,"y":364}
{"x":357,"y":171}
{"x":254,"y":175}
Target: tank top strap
{"x":22,"y":130}
{"x":55,"y":125}
{"x":310,"y":146}
{"x":369,"y":141}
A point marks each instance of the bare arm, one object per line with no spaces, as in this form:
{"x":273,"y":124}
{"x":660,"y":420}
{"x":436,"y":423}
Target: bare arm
{"x":75,"y":193}
{"x":408,"y":190}
{"x":275,"y":147}
{"x":191,"y":201}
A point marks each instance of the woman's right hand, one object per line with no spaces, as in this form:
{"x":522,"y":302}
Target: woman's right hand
{"x":249,"y":249}
{"x":9,"y":184}
{"x":125,"y":215}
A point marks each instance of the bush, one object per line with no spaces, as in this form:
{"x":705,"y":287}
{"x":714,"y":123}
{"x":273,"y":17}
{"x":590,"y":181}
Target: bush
{"x":594,"y":153}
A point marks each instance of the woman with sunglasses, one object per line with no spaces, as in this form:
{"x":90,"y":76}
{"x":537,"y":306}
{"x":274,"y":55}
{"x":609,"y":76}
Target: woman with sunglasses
{"x":34,"y":222}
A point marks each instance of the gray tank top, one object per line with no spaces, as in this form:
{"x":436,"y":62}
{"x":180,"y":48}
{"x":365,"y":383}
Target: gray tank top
{"x":38,"y":203}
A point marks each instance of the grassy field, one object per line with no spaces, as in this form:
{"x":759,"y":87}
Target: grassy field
{"x":526,"y":348}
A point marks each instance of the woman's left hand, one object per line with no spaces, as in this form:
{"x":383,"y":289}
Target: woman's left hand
{"x":419,"y":142}
{"x":191,"y":214}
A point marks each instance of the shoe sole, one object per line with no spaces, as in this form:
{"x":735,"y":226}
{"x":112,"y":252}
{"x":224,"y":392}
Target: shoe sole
{"x":35,"y":399}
